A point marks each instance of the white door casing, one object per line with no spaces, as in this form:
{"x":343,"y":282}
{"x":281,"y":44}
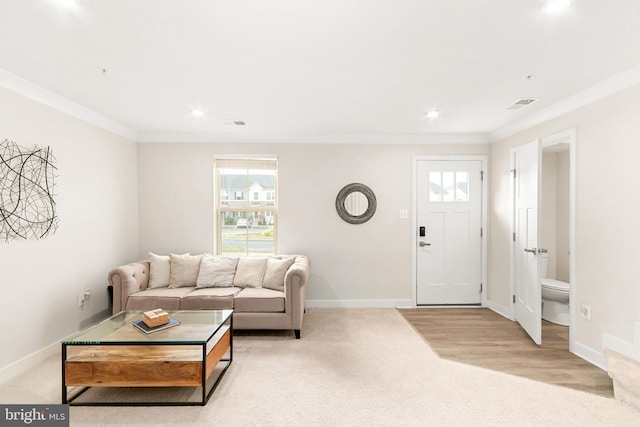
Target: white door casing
{"x":449,"y":204}
{"x":526,"y":272}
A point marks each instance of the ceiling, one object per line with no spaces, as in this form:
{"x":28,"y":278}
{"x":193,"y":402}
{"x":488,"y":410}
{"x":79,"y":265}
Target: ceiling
{"x":294,"y":69}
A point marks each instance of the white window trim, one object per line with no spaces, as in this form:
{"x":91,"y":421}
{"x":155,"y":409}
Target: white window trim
{"x":269,"y":211}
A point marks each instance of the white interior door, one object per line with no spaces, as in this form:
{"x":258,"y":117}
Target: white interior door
{"x":526,"y":273}
{"x":449,"y":213}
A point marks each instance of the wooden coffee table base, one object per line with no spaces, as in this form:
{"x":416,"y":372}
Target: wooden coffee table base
{"x":145,"y":365}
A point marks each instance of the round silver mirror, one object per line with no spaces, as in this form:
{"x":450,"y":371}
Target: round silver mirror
{"x":356,"y":203}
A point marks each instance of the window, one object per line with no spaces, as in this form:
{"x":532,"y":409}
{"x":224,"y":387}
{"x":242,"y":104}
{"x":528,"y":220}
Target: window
{"x":449,"y":186}
{"x":246,"y":206}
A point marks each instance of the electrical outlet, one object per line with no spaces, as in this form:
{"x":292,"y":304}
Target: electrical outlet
{"x":585,"y":311}
{"x":84,"y":297}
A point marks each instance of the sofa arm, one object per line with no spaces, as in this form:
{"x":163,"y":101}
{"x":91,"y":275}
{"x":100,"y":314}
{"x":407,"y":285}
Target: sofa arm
{"x":298,"y":273}
{"x":126,"y":280}
{"x":295,"y":281}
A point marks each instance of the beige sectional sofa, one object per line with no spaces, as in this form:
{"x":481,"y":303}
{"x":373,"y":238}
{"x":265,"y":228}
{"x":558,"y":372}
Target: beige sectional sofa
{"x":265,"y":292}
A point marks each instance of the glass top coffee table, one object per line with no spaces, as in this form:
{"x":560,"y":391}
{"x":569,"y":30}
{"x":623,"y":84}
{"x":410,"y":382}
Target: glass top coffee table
{"x":115,"y":363}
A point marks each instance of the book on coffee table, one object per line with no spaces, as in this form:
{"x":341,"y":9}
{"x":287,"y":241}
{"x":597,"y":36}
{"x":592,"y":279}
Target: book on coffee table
{"x":148,"y":329}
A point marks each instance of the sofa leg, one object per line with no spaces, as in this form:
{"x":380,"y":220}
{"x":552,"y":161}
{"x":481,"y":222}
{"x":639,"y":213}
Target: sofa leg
{"x":297,"y":332}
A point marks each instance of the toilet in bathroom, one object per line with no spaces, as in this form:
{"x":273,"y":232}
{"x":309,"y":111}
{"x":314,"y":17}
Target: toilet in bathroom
{"x":555,"y":296}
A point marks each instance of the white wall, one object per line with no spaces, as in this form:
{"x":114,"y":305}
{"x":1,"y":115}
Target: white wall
{"x":554,"y":213}
{"x":350,"y":264}
{"x":547,"y":211}
{"x":562,"y":216}
{"x":607,"y":203}
{"x":97,"y":205}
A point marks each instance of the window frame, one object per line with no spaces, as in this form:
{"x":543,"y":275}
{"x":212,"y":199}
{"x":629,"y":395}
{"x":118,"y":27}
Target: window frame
{"x":454,"y":174}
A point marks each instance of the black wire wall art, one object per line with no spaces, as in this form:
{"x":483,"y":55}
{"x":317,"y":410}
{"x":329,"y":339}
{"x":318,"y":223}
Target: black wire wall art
{"x":27,"y":189}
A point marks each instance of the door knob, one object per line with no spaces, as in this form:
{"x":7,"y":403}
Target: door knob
{"x":425,"y":244}
{"x":533,"y":250}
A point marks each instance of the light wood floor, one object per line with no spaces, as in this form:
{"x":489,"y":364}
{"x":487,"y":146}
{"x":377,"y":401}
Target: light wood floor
{"x":481,"y":337}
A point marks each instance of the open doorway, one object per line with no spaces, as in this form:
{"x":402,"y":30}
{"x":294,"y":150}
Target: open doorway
{"x":556,"y":229}
{"x":543,"y":279}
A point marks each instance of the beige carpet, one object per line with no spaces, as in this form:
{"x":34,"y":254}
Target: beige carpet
{"x":352,"y":367}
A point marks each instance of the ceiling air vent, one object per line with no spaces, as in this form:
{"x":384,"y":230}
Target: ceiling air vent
{"x":521,"y":103}
{"x":233,"y":122}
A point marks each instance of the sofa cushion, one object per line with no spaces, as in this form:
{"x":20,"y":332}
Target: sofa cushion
{"x":260,"y":300}
{"x":184,"y":270}
{"x":216,"y":271}
{"x":209,"y":299}
{"x":249,"y":272}
{"x":274,"y":273}
{"x":165,"y":298}
{"x":159,"y":270}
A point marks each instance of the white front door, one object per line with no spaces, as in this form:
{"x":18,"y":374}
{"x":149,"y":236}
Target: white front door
{"x":526,"y":276}
{"x":449,"y":228}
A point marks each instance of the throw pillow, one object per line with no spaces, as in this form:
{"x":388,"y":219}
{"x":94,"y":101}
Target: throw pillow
{"x":249,"y":272}
{"x":184,"y":270}
{"x":159,"y":268}
{"x":216,"y":271}
{"x":275,"y":272}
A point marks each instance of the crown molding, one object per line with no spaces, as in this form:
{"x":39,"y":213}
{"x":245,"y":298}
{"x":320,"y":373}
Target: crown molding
{"x":614,"y":84}
{"x":598,"y":91}
{"x":44,"y":96}
{"x":400,"y":139}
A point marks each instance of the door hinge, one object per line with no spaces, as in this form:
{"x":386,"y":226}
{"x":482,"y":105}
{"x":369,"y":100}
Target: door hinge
{"x":481,"y":175}
{"x":514,"y":173}
{"x":514,"y":236}
{"x":514,"y":299}
{"x":480,"y":287}
{"x":481,"y":232}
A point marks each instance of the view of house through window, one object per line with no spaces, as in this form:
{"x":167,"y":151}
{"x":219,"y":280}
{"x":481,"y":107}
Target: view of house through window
{"x":246,"y":206}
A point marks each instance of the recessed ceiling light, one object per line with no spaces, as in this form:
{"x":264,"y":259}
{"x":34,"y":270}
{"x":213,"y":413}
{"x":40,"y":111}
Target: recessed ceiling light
{"x":67,"y":4}
{"x":433,"y":114}
{"x":555,"y":6}
{"x":196,"y":112}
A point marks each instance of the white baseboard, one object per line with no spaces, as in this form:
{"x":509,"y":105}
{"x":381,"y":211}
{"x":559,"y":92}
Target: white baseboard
{"x":395,"y":303}
{"x":587,"y":353}
{"x":590,"y":355}
{"x":501,"y":310}
{"x":360,"y":303}
{"x":28,"y":362}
